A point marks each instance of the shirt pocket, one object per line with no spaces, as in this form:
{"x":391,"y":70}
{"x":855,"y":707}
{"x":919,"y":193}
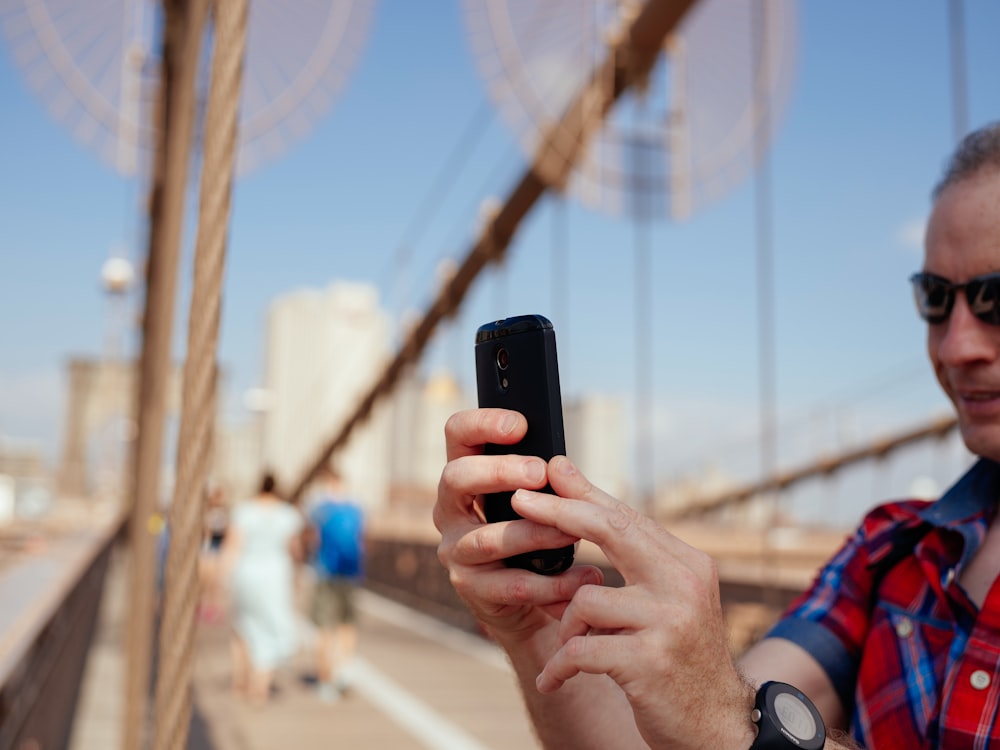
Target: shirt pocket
{"x":900,"y":676}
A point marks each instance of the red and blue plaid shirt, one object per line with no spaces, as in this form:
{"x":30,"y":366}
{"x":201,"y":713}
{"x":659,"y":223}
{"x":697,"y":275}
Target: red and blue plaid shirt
{"x":916,"y":663}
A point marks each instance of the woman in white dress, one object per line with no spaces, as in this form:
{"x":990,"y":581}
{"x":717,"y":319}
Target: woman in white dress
{"x":261,"y":548}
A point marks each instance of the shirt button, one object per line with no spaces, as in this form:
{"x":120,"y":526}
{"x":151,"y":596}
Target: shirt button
{"x":904,"y":628}
{"x":980,"y":679}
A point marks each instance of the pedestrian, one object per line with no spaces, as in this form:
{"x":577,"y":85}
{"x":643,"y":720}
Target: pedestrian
{"x":261,"y":548}
{"x":216,"y":521}
{"x":895,"y":646}
{"x":337,"y":557}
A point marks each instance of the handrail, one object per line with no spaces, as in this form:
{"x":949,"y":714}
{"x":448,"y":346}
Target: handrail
{"x":937,"y":429}
{"x":50,"y":604}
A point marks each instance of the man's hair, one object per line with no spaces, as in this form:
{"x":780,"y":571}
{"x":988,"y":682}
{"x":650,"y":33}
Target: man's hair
{"x":978,"y":150}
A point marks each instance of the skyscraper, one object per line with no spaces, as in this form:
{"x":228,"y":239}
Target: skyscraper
{"x":325,"y":349}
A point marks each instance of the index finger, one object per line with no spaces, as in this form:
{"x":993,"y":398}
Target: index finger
{"x":624,"y":534}
{"x":633,"y":543}
{"x":466,"y":432}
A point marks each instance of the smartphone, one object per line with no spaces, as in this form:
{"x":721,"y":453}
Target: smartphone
{"x":517,"y":368}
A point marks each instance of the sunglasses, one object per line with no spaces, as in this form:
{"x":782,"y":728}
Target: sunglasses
{"x":935,"y":297}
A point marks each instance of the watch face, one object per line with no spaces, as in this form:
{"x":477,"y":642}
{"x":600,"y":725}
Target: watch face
{"x":786,"y":719}
{"x":795,"y":716}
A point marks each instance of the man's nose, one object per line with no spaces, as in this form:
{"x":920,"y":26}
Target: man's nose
{"x":965,"y":337}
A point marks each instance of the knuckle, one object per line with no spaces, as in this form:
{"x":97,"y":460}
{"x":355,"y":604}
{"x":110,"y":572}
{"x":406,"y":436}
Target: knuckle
{"x":505,"y":473}
{"x":705,"y":570}
{"x":458,"y":582}
{"x":587,"y":596}
{"x":449,"y":477}
{"x":444,"y":553}
{"x":623,"y":516}
{"x":518,"y":590}
{"x":438,"y":516}
{"x":484,"y":544}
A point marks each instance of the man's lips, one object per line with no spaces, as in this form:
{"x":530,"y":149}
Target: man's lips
{"x":978,"y":401}
{"x":979,"y":395}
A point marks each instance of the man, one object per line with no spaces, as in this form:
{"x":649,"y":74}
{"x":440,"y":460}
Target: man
{"x":337,"y":540}
{"x":898,"y":641}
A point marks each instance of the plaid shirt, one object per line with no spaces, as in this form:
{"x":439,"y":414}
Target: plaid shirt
{"x":915,"y":662}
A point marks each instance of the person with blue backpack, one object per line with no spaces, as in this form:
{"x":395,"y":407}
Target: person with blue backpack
{"x":336,"y":534}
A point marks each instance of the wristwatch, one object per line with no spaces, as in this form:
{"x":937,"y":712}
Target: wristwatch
{"x":786,"y":718}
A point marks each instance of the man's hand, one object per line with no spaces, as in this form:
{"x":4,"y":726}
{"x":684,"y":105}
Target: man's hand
{"x":661,"y":637}
{"x":513,"y":604}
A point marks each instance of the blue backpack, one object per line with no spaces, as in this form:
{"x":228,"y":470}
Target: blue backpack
{"x":340,"y":527}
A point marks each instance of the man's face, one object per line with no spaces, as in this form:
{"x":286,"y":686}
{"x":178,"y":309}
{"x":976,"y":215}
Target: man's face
{"x":963,"y":241}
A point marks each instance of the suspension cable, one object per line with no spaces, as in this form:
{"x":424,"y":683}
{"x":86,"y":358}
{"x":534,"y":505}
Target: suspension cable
{"x":177,"y":633}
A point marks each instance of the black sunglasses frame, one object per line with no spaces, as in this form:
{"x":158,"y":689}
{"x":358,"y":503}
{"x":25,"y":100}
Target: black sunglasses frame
{"x":935,"y":297}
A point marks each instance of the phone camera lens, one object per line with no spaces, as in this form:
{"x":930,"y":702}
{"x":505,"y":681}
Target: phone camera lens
{"x":503,"y":359}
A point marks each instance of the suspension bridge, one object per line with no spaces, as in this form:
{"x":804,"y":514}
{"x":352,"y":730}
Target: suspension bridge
{"x":101,"y":639}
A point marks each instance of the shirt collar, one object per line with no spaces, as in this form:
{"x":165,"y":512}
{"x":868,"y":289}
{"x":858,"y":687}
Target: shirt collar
{"x":973,"y":496}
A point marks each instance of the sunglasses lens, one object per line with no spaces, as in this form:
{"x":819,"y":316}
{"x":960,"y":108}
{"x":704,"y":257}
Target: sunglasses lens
{"x":934,"y":297}
{"x":984,"y":299}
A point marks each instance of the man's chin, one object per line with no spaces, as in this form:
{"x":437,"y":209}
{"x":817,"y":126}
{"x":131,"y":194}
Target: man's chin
{"x":983,"y":440}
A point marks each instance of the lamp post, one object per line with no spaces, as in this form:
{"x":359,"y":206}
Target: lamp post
{"x":117,"y":275}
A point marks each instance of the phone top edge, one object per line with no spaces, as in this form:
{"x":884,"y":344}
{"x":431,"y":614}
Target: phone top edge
{"x":510,"y":326}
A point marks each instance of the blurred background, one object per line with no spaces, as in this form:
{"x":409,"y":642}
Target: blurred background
{"x":724,"y":253}
{"x":367,"y":199}
{"x":351,"y":209}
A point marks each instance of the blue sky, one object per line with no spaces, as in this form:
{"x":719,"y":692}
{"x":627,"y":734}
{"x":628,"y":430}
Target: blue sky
{"x":864,"y":136}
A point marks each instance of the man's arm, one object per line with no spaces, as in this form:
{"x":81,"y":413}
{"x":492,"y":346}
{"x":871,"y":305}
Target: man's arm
{"x":642,"y":665}
{"x":782,"y":660}
{"x":661,"y":637}
{"x":588,"y":711}
{"x":520,"y":609}
{"x":557,"y":717}
{"x":785,"y":661}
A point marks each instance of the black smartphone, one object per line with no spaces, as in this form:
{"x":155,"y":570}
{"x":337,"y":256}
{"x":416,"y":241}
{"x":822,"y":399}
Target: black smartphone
{"x":517,"y":368}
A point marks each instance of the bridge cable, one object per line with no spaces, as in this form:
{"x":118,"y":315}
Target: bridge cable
{"x":763,"y":219}
{"x":172,"y":716}
{"x":960,"y":104}
{"x":182,"y":34}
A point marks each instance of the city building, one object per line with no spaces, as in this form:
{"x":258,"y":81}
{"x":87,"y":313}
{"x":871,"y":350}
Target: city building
{"x":324,"y":350}
{"x":596,"y":440}
{"x":420,"y":407}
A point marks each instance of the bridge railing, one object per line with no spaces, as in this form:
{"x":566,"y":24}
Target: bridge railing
{"x":50,"y":600}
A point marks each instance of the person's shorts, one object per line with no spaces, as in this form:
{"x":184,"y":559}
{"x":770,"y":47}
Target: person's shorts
{"x":333,"y":602}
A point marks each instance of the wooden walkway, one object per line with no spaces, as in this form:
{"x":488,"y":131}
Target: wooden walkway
{"x":417,"y":684}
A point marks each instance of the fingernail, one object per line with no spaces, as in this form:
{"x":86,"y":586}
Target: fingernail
{"x":566,"y":467}
{"x":507,"y":423}
{"x":534,"y":471}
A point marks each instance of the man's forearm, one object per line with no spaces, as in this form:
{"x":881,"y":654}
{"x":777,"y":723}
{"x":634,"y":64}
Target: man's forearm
{"x":588,"y":711}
